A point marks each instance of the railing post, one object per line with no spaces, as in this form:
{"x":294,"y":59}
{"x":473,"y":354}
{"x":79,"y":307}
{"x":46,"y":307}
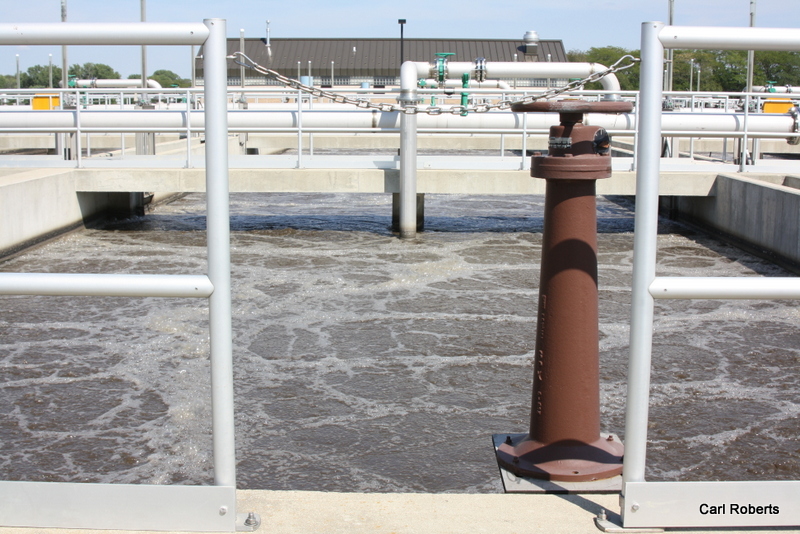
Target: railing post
{"x":188,"y":129}
{"x":77,"y":138}
{"x":218,"y":235}
{"x":743,"y":151}
{"x":644,"y":253}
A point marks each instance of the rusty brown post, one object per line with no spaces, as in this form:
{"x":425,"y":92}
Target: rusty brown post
{"x":564,"y":441}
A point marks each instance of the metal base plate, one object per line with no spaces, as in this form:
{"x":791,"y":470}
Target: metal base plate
{"x":607,"y":525}
{"x":515,"y":484}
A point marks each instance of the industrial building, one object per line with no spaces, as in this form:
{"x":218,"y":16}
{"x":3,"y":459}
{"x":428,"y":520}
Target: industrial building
{"x":376,"y":62}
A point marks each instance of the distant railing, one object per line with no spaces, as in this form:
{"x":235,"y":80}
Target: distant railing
{"x":726,"y":116}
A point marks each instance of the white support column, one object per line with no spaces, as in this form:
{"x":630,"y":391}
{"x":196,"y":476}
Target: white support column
{"x":644,"y":252}
{"x":219,"y":268}
{"x":408,"y":175}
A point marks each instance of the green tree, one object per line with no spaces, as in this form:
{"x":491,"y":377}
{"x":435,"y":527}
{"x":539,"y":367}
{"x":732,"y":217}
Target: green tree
{"x":726,"y":70}
{"x":166,"y":78}
{"x":783,"y":68}
{"x":39,"y":76}
{"x":89,"y":71}
{"x":608,"y":55}
{"x":8,"y":81}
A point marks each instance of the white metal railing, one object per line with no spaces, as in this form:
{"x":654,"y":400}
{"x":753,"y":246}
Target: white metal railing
{"x":275,"y":110}
{"x":148,"y":507}
{"x":679,"y":504}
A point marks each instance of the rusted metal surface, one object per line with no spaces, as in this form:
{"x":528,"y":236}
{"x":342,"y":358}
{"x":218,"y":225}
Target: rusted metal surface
{"x":573,"y":106}
{"x":564,"y":441}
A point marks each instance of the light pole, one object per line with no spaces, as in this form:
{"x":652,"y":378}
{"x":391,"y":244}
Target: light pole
{"x":402,"y":23}
{"x":64,"y":60}
{"x":18,"y":84}
{"x":670,"y":52}
{"x":691,"y":74}
{"x":750,"y":53}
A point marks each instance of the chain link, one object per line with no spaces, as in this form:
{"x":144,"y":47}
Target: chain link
{"x":241,"y":59}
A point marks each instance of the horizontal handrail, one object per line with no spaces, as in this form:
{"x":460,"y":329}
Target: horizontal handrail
{"x":106,"y":285}
{"x":738,"y":287}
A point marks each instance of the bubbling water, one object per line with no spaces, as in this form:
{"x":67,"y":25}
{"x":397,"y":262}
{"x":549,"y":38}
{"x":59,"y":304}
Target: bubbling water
{"x":367,"y":363}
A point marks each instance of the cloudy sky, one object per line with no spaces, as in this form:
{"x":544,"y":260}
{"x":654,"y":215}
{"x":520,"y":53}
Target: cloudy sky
{"x":581,"y":24}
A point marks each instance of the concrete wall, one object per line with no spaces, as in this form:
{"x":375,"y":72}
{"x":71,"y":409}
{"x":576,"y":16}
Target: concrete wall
{"x":38,"y":204}
{"x":761,"y":211}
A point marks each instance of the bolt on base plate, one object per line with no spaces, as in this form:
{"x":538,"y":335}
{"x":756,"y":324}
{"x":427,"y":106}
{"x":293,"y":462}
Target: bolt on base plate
{"x":522,"y":484}
{"x":248,"y":522}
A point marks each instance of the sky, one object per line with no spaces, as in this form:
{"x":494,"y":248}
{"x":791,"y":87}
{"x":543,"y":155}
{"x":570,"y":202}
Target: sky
{"x":580,"y":24}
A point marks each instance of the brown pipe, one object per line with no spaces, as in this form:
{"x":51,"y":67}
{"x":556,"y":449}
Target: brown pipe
{"x":564,"y":441}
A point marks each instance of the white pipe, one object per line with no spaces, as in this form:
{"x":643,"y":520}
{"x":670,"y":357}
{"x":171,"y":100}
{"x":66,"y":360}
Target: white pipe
{"x":521,"y":69}
{"x":775,"y":89}
{"x":335,"y":116}
{"x":116,"y":84}
{"x":105,"y":285}
{"x":644,"y":255}
{"x":717,"y":38}
{"x":103,"y":33}
{"x":689,"y":287}
{"x":473,"y":84}
{"x":219,"y":254}
{"x":411,"y":71}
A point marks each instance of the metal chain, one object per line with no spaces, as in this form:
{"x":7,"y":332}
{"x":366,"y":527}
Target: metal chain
{"x":431,"y":110}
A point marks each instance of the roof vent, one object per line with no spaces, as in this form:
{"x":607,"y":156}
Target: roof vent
{"x":531,"y":46}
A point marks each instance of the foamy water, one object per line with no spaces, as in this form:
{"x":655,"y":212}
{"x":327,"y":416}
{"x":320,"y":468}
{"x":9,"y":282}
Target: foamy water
{"x":367,"y":363}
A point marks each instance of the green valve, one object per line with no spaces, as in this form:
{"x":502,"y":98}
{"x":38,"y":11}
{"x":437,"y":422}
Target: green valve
{"x":464,"y":95}
{"x":441,"y":65}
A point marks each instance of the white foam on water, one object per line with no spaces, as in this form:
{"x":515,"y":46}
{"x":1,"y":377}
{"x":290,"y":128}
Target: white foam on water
{"x":367,"y":363}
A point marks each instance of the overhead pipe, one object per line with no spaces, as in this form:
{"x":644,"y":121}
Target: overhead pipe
{"x":411,"y":71}
{"x":116,"y":84}
{"x":479,"y":70}
{"x":324,"y":116}
{"x":772,"y":89}
{"x":430,"y":83}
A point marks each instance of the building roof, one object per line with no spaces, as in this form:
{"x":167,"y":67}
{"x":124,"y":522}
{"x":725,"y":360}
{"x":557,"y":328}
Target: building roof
{"x":380,"y":57}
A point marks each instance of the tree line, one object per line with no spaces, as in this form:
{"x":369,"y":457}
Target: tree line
{"x":717,"y":70}
{"x":38,"y":76}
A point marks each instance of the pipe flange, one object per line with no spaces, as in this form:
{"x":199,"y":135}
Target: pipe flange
{"x":795,"y":112}
{"x":480,"y":69}
{"x":439,"y":67}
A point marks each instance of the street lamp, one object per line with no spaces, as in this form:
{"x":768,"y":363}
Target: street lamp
{"x":401,"y":22}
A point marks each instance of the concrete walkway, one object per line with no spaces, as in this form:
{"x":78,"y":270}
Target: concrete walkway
{"x":307,"y":512}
